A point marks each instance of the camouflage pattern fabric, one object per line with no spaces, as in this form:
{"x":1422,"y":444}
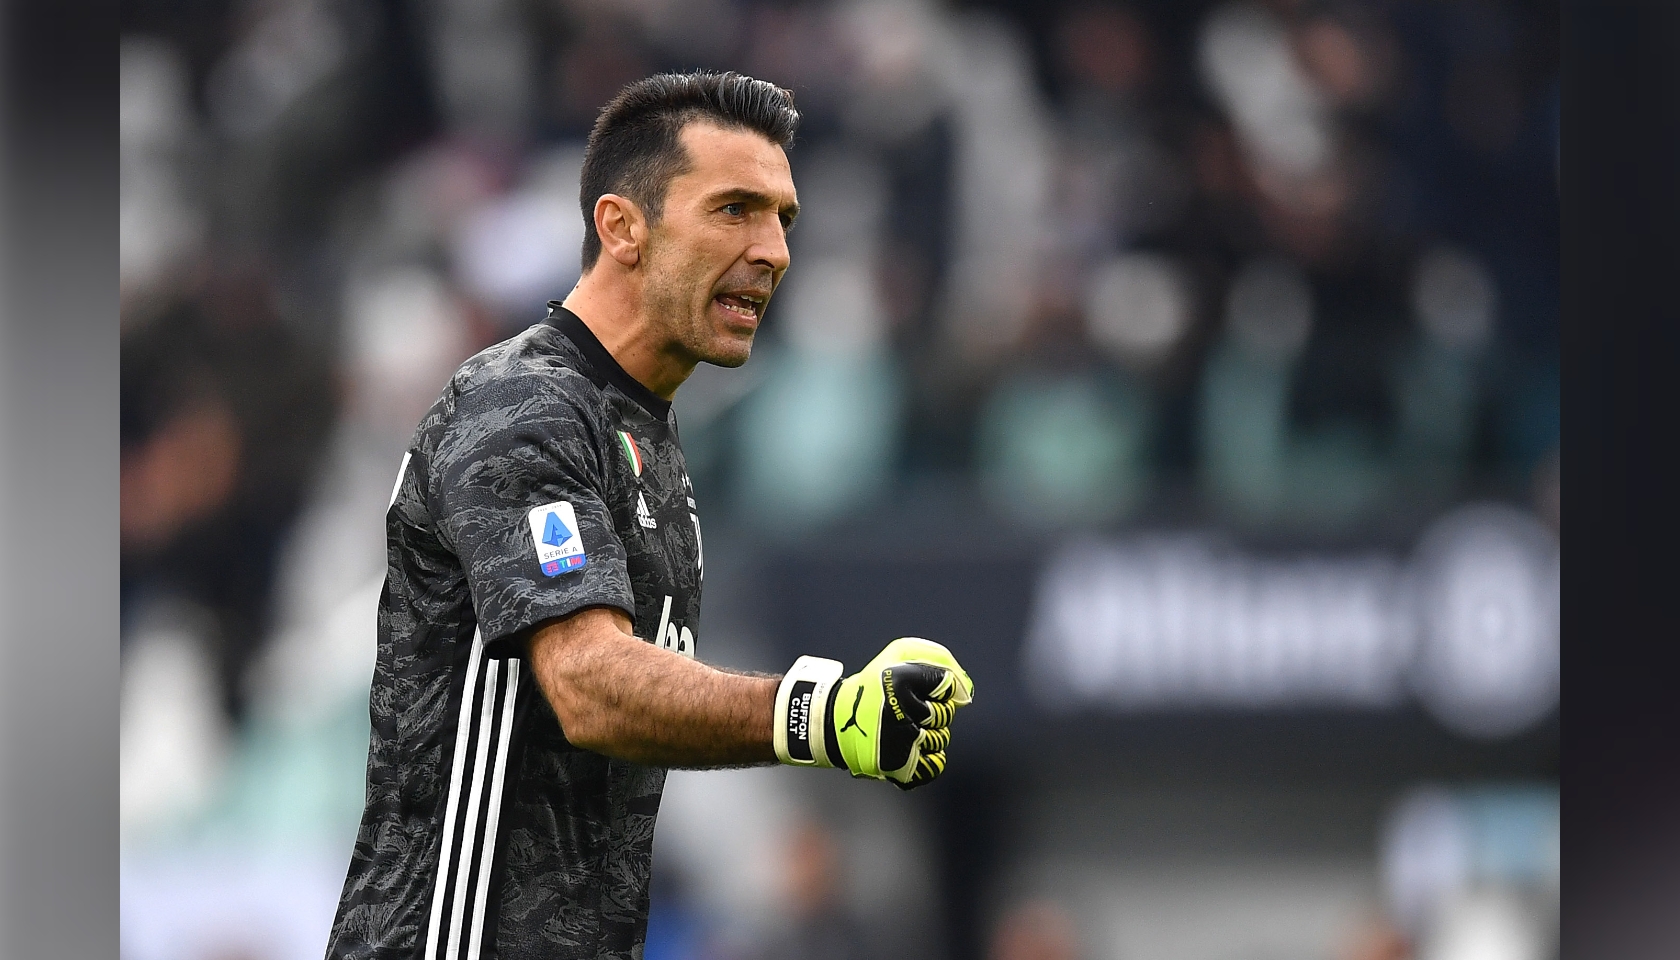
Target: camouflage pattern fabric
{"x":486,"y":833}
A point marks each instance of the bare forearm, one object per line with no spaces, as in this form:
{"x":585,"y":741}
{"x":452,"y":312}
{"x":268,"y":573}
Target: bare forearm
{"x":620,"y":696}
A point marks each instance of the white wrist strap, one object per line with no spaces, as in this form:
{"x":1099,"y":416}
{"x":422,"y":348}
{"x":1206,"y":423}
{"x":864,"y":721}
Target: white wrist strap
{"x":801,"y":706}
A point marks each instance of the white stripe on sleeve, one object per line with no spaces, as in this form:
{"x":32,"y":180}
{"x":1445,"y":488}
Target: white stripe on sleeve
{"x":402,"y":471}
{"x":463,"y":733}
{"x":469,"y":829}
{"x":494,"y":816}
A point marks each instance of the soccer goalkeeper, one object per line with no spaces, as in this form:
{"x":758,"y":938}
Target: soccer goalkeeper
{"x":537,"y":630}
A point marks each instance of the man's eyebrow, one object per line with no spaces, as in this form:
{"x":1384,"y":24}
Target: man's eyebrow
{"x":791,"y":211}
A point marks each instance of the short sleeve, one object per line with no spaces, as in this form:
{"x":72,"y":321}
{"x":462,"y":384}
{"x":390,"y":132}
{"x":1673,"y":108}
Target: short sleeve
{"x":518,"y":492}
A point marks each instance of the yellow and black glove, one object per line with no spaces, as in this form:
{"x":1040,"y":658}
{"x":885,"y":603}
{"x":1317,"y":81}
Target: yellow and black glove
{"x":890,"y":721}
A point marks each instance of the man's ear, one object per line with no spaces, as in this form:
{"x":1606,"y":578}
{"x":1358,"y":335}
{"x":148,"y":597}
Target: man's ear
{"x":622,"y":228}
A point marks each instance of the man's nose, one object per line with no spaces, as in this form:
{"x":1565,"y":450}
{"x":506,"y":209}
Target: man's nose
{"x":770,"y":247}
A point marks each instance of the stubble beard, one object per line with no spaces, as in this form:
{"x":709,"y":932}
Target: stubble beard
{"x":670,"y":297}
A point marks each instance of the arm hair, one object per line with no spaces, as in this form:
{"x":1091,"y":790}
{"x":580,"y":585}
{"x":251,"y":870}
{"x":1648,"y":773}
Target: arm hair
{"x":626,"y":698}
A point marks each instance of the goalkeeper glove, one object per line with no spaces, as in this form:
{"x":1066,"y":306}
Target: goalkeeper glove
{"x":890,"y":721}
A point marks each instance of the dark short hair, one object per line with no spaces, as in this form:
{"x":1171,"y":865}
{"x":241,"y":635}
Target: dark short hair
{"x":635,"y":151}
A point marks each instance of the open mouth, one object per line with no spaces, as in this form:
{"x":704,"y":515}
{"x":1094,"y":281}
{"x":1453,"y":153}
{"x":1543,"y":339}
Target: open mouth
{"x":747,"y":306}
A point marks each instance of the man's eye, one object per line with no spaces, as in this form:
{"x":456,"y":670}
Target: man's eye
{"x":735,"y":209}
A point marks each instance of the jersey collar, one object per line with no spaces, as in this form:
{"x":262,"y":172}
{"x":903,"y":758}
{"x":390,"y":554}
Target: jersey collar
{"x":602,"y":360}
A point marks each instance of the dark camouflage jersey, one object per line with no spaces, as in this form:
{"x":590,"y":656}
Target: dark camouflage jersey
{"x":545,"y":480}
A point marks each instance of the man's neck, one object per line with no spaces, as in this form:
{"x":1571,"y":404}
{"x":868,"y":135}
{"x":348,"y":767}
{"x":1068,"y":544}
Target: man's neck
{"x":614,"y":312}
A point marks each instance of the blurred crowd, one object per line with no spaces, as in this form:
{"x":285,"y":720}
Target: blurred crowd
{"x":1290,"y":265}
{"x":1286,"y":266}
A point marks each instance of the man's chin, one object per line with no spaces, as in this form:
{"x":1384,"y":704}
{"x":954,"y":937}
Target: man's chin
{"x":729,"y":358}
{"x":731,"y":352}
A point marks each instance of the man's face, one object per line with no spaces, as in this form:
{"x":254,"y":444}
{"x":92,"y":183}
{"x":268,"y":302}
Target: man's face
{"x":720,"y":247}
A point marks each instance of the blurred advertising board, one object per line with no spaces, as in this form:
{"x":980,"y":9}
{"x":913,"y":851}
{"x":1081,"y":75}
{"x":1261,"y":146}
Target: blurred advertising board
{"x":1462,"y":625}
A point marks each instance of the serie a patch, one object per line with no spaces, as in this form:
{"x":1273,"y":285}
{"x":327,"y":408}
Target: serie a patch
{"x":554,"y":532}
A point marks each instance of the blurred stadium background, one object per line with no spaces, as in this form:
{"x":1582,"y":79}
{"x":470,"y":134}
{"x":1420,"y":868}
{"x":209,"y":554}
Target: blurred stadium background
{"x":1190,"y":368}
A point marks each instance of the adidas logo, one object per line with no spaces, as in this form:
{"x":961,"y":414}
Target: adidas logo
{"x":643,"y":517}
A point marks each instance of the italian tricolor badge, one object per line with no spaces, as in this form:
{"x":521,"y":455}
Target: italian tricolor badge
{"x":631,"y":451}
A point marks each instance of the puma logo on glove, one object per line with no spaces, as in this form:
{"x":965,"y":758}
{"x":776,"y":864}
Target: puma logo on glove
{"x":903,"y":703}
{"x":853,"y":722}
